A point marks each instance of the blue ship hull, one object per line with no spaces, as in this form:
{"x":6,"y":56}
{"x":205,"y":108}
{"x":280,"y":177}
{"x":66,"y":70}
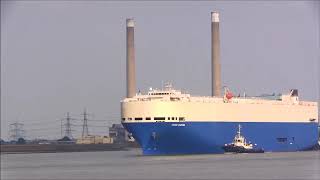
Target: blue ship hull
{"x":164,"y":138}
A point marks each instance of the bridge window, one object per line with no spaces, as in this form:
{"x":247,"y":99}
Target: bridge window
{"x":148,"y":118}
{"x":138,"y":119}
{"x":123,"y":119}
{"x":129,"y":118}
{"x":181,"y":118}
{"x":312,"y":119}
{"x":159,"y":118}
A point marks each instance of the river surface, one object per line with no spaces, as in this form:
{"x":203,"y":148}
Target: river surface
{"x":132,"y":165}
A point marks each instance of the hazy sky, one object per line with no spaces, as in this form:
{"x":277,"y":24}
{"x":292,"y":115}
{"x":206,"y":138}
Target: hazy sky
{"x":59,"y":57}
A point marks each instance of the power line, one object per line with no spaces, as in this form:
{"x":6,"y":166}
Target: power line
{"x":68,"y":127}
{"x":16,"y":131}
{"x":97,"y":120}
{"x":42,"y":129}
{"x":85,"y":131}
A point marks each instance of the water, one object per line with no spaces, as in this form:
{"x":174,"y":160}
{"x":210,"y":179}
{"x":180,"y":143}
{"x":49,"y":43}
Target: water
{"x":131,"y":165}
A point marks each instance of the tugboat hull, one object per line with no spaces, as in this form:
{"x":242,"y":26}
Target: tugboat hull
{"x":236,"y":149}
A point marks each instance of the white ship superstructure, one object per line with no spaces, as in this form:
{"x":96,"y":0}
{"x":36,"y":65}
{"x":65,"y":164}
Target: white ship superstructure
{"x":175,"y":104}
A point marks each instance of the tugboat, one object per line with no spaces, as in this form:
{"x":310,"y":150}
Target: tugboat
{"x":239,"y":145}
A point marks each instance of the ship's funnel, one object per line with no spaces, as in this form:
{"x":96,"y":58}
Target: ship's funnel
{"x":131,"y":72}
{"x":215,"y":55}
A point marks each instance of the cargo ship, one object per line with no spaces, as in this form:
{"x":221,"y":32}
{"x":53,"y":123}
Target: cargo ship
{"x":168,"y":121}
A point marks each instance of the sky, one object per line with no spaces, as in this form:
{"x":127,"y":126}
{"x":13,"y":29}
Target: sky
{"x":67,"y":56}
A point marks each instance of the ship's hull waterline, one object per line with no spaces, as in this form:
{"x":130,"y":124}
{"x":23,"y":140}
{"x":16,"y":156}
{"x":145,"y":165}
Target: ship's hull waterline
{"x":169,"y":138}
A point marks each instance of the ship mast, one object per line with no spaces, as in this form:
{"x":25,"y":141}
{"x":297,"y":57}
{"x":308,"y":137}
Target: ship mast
{"x":239,"y":130}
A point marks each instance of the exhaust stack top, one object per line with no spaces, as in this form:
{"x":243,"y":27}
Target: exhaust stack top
{"x":131,"y":71}
{"x":215,"y":17}
{"x":215,"y":55}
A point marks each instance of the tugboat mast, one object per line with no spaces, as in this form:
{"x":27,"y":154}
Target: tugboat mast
{"x":239,"y":130}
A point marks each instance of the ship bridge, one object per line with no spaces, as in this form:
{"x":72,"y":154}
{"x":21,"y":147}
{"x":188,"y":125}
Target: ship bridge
{"x":168,"y":90}
{"x":168,"y":93}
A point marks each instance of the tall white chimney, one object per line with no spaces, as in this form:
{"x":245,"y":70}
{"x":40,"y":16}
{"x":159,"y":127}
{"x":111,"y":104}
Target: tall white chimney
{"x":215,"y":55}
{"x":131,"y":70}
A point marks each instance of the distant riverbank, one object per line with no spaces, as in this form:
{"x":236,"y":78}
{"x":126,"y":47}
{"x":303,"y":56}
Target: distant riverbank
{"x":54,"y":148}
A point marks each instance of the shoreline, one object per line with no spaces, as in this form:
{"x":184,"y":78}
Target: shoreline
{"x":57,"y":148}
